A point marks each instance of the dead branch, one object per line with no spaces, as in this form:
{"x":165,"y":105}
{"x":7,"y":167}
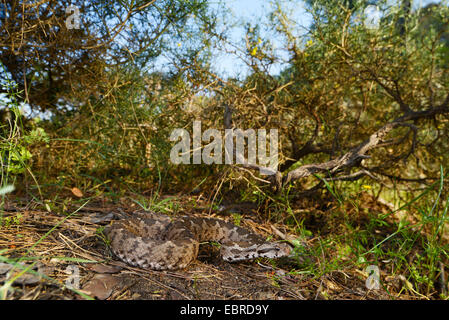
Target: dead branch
{"x":353,"y":157}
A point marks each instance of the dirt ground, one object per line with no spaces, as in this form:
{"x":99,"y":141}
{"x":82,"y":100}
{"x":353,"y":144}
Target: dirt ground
{"x":68,"y":251}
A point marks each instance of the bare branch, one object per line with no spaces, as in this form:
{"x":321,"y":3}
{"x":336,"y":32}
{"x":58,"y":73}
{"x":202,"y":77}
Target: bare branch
{"x":353,"y":176}
{"x":355,"y":155}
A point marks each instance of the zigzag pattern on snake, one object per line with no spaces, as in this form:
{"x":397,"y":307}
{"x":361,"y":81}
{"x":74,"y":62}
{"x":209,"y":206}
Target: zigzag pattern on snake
{"x":149,"y":240}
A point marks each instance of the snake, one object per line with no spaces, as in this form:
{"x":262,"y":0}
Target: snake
{"x":155,"y":241}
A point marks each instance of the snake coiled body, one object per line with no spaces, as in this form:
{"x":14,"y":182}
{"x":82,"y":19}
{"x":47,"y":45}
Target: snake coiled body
{"x":149,"y":240}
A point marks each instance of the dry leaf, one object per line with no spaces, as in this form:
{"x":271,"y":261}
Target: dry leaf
{"x":77,"y":192}
{"x":100,"y":217}
{"x":5,"y":267}
{"x":100,"y":286}
{"x":102,"y":268}
{"x":25,"y":278}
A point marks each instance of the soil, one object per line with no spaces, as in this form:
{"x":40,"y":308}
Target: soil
{"x":70,"y":251}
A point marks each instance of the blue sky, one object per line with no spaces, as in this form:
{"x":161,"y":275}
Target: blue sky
{"x":257,"y":11}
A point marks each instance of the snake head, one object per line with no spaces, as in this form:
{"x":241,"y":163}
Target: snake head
{"x":239,"y":251}
{"x":273,"y":250}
